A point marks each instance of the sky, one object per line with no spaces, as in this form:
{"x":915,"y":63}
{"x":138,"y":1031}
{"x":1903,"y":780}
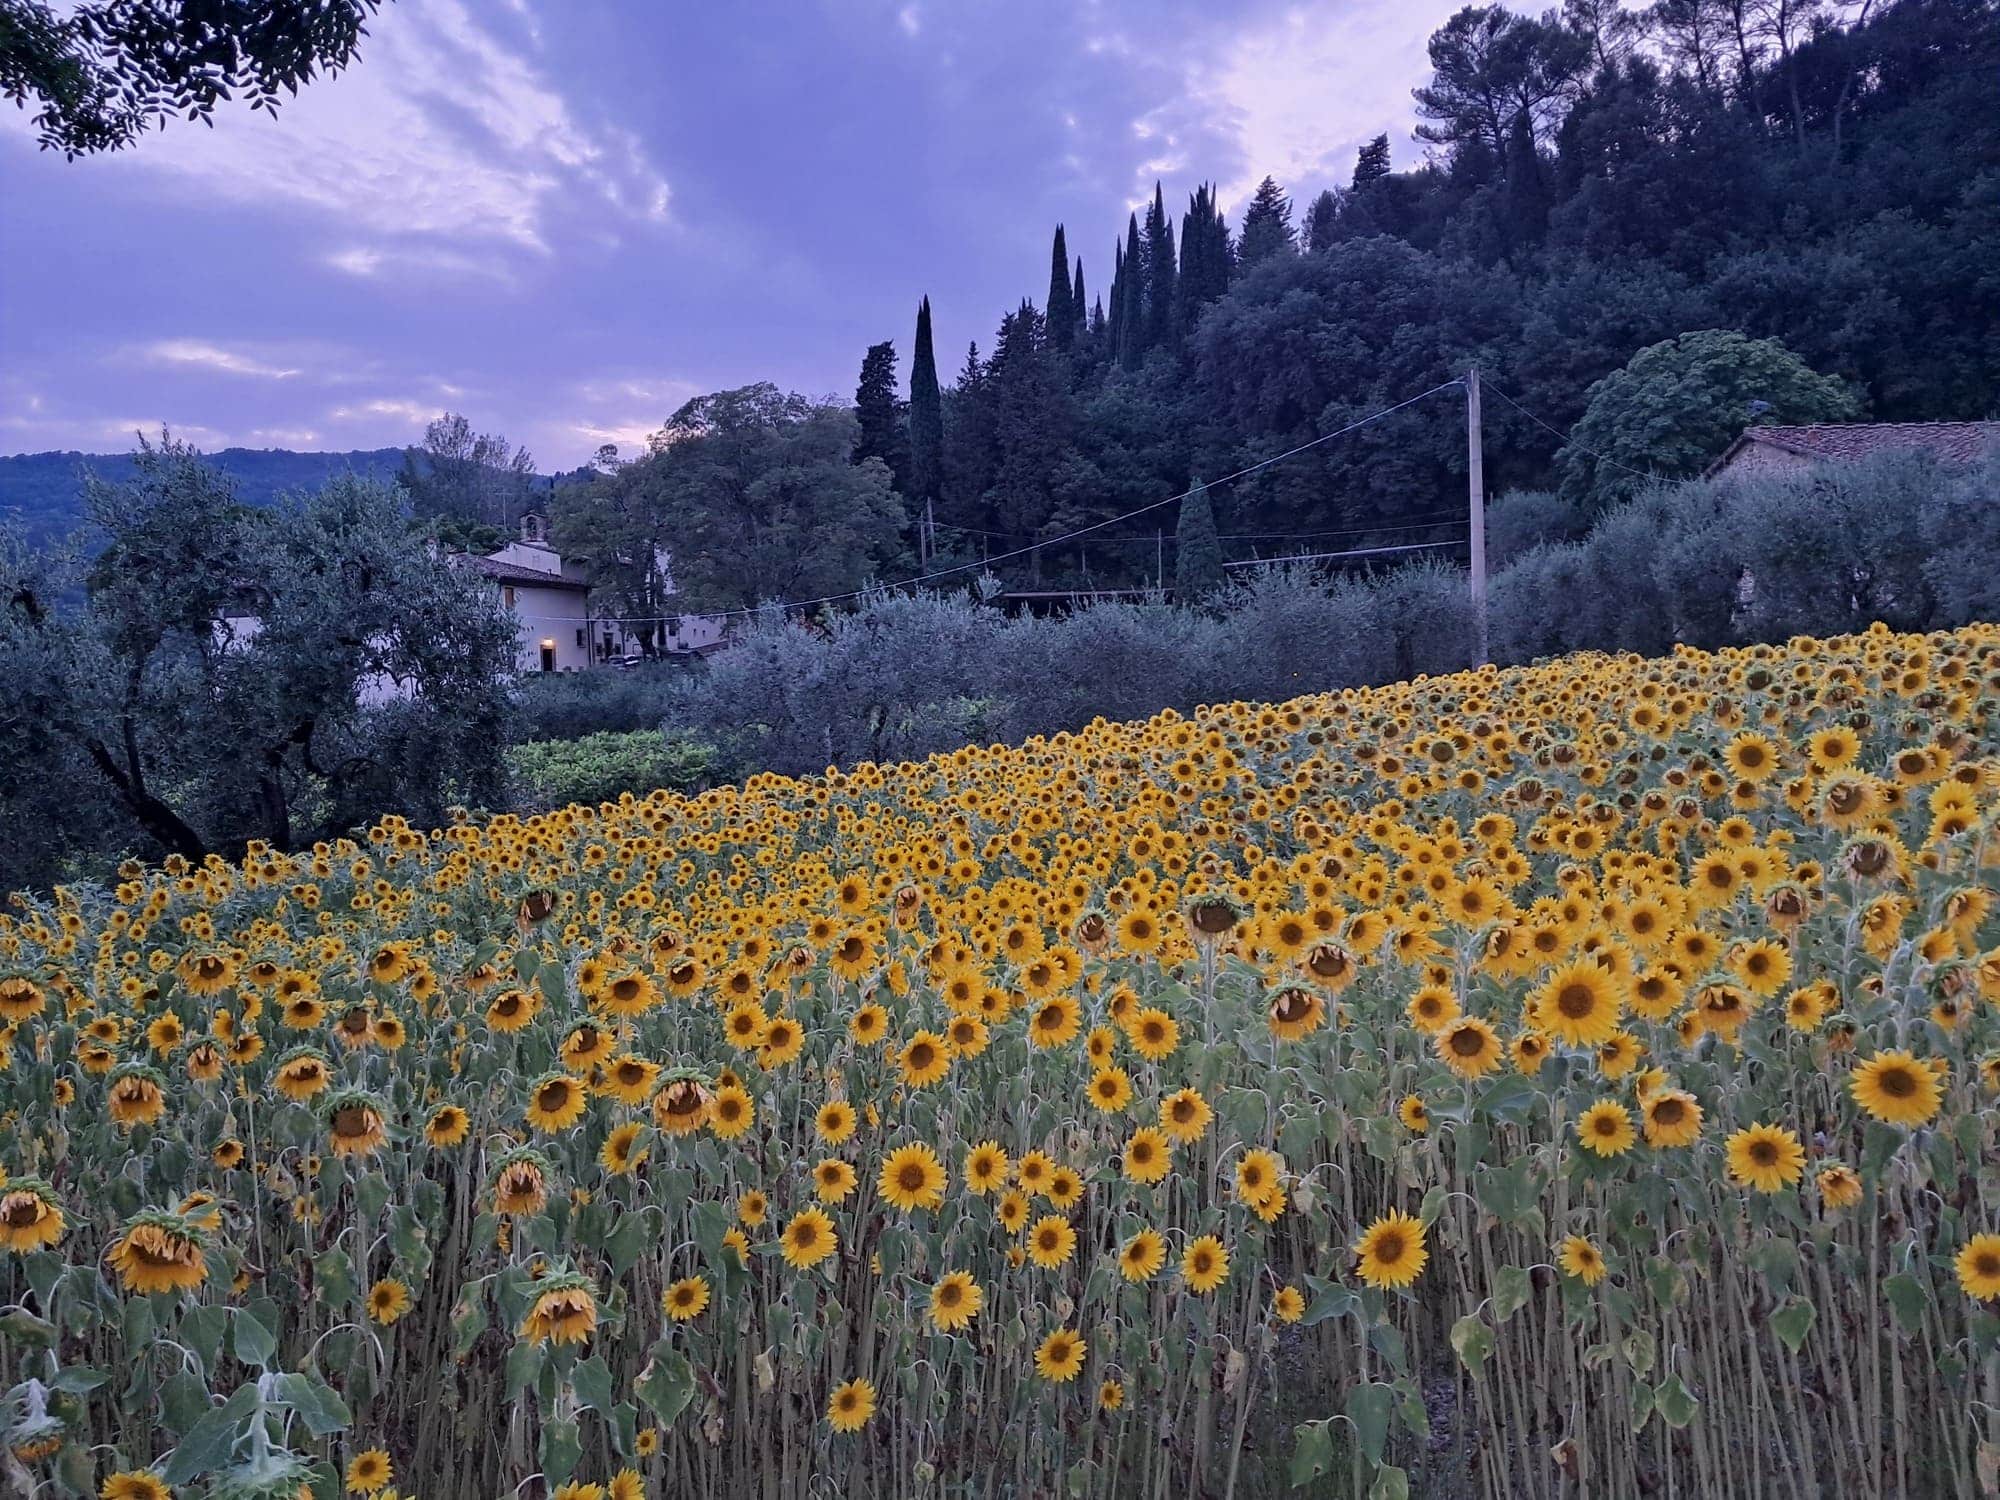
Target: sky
{"x":564,"y":218}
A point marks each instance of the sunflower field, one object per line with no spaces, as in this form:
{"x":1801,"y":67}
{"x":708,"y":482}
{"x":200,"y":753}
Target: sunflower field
{"x":1578,"y":1078}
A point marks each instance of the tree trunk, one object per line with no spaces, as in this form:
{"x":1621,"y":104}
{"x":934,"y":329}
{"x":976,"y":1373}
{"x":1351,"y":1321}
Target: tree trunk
{"x":153,"y":815}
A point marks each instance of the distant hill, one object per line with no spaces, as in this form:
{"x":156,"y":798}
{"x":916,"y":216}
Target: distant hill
{"x":43,"y":492}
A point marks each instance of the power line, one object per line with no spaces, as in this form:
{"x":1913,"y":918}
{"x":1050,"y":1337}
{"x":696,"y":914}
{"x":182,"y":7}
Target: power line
{"x":1445,"y":518}
{"x":1054,"y":541}
{"x":1568,"y":440}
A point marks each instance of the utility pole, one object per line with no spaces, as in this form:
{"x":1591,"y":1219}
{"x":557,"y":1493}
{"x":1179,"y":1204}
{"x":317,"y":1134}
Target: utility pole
{"x":927,"y":537}
{"x":1475,"y":464}
{"x":1159,"y":560}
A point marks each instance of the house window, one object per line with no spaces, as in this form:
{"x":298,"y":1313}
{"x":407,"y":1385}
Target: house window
{"x":579,"y":640}
{"x":507,"y":595}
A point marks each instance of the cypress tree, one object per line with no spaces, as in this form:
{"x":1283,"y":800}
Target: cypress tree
{"x":926,"y":414}
{"x":1077,"y":302}
{"x":1061,"y":316}
{"x":1116,"y":321}
{"x":1197,"y":548}
{"x":1162,"y":329}
{"x":1132,"y":315}
{"x":1205,"y":257}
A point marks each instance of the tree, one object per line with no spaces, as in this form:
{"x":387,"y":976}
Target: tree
{"x":1206,"y":255}
{"x":756,"y":493}
{"x":1677,"y":404}
{"x":1371,"y":163}
{"x":926,"y":415}
{"x":1490,"y":64}
{"x":1133,"y":324}
{"x":1163,"y":329}
{"x":476,"y":485}
{"x":881,"y":416}
{"x":1061,"y":315}
{"x":1323,"y":221}
{"x":1198,"y":570}
{"x":1267,"y":225}
{"x":100,"y":72}
{"x":228,"y":673}
{"x":1032,"y":419}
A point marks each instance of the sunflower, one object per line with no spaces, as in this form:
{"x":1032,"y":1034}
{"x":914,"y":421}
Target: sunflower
{"x":1606,"y":1128}
{"x":30,"y":1217}
{"x":1978,"y":1266}
{"x":354,"y":1124}
{"x":835,"y":1121}
{"x":629,"y":1079}
{"x":369,"y":1471}
{"x":1579,"y":1005}
{"x":625,"y":1485}
{"x":808,"y":1239}
{"x":1672,"y":1118}
{"x":913,"y":1178}
{"x":302,"y":1073}
{"x":630,"y":994}
{"x":1154,"y":1034}
{"x":868,"y":1024}
{"x":448,"y":1126}
{"x":784,"y":1040}
{"x":730,"y":1112}
{"x":1060,"y":1356}
{"x":1109,"y":1090}
{"x":159,"y":1252}
{"x":1751,"y":757}
{"x":1259,"y":1174}
{"x":1390,"y":1252}
{"x":1051,"y":1242}
{"x":986,"y":1168}
{"x":1110,"y":1395}
{"x":1141,"y":1257}
{"x":1295,"y":1013}
{"x":1432,"y":1008}
{"x":833,"y":1180}
{"x":1140,"y":932}
{"x":681,"y":1105}
{"x":621,"y":1152}
{"x":1896,"y":1089}
{"x":1055,"y":1022}
{"x":586,"y":1044}
{"x":513,"y":1010}
{"x":388,"y":1300}
{"x":521,"y":1183}
{"x":137,"y":1096}
{"x":1012,"y":1210}
{"x":1765,"y":1157}
{"x":1148,"y":1155}
{"x":955,"y":1301}
{"x":1184,"y":1115}
{"x":1468,"y":1046}
{"x":1839,"y":1186}
{"x":924,"y":1060}
{"x":1204,"y":1265}
{"x":564,"y":1310}
{"x":1288,"y":1304}
{"x":851,"y":1405}
{"x":752,"y":1206}
{"x":1415,"y":1116}
{"x":134,"y":1484}
{"x":1580,"y":1258}
{"x":685,"y":1299}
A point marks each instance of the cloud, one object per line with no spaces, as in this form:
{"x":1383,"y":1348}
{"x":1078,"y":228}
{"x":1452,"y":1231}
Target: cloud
{"x":196,"y":354}
{"x":415,"y":412}
{"x":366,"y":262}
{"x":442,"y":132}
{"x":910,"y":19}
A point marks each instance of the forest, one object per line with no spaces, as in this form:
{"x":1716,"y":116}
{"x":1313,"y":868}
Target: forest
{"x":1592,"y":182}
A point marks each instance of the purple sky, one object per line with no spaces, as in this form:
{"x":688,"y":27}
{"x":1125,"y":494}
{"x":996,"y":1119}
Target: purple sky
{"x":563,"y":219}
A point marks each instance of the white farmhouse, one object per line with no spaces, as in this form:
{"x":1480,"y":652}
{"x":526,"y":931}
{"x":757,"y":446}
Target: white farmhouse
{"x":549,"y":599}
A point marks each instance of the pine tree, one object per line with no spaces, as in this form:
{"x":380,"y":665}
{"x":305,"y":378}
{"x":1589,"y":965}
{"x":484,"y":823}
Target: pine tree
{"x":880,"y":414}
{"x":1061,"y":317}
{"x":1162,"y":327}
{"x":926,"y":414}
{"x":1267,"y":224}
{"x":1323,"y":221}
{"x":1527,"y":199}
{"x":1372,"y":164}
{"x":1197,"y":548}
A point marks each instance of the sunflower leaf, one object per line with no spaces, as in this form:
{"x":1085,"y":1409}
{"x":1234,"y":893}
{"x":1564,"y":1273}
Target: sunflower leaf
{"x":1511,"y":1290}
{"x":667,"y":1382}
{"x":1473,"y":1341}
{"x":1369,"y":1408}
{"x":1313,"y":1456}
{"x":1793,"y":1323}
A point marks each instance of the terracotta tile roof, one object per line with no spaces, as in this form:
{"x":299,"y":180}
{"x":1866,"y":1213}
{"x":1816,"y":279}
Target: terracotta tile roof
{"x":1844,"y":442}
{"x":506,"y":572}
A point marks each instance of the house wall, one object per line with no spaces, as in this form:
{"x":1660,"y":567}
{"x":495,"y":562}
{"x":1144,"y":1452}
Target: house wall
{"x":1762,"y":458}
{"x":552,"y":615}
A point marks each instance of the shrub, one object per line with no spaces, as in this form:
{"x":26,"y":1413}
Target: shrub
{"x":566,"y":705}
{"x":546,"y":774}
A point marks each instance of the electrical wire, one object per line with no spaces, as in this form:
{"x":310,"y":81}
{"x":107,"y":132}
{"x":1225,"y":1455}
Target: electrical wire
{"x":1603,"y":458}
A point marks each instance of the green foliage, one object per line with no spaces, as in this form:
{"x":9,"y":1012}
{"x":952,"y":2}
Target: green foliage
{"x":569,"y":705}
{"x":1197,"y":548}
{"x":926,"y":413}
{"x":545,"y":774}
{"x":1678,"y":404}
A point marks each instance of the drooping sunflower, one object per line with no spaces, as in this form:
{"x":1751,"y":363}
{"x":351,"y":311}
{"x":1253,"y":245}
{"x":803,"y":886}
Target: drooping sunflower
{"x":1768,"y":1158}
{"x":355,"y":1123}
{"x":682,"y":1103}
{"x":521,"y":1182}
{"x":564,"y":1310}
{"x":137,"y":1096}
{"x":808,"y":1239}
{"x":30,"y":1216}
{"x":685,"y":1299}
{"x":1896,"y":1089}
{"x":1204,"y":1265}
{"x":1060,"y":1356}
{"x":134,"y":1484}
{"x":302,"y":1073}
{"x":1390,"y":1252}
{"x":956,"y":1300}
{"x":1839,"y":1186}
{"x":159,"y":1252}
{"x":913,"y":1178}
{"x":851,"y":1405}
